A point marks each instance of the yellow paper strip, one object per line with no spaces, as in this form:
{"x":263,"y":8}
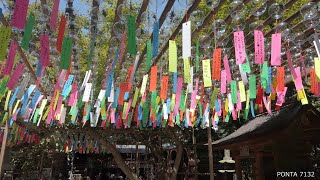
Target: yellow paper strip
{"x":125,"y":106}
{"x":46,"y":113}
{"x":172,"y":102}
{"x":186,"y":70}
{"x":248,"y":99}
{"x":172,"y":56}
{"x":16,"y":106}
{"x":144,"y":84}
{"x":7,"y":101}
{"x":206,"y":70}
{"x":317,"y":68}
{"x":242,"y":91}
{"x":43,"y":104}
{"x":304,"y":101}
{"x":135,"y":98}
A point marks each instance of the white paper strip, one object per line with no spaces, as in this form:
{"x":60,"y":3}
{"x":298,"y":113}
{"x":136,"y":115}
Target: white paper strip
{"x":86,"y":94}
{"x":111,"y":98}
{"x":165,"y":113}
{"x":63,"y":115}
{"x":100,"y":97}
{"x":186,"y":39}
{"x":144,"y":84}
{"x":230,"y":103}
{"x":86,"y":79}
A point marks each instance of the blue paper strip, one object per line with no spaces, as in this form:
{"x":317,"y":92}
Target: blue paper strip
{"x":252,"y":109}
{"x":35,"y":98}
{"x":175,"y":80}
{"x":216,"y":104}
{"x":67,"y":84}
{"x":268,"y":90}
{"x":109,"y":84}
{"x":168,"y":105}
{"x":140,"y":113}
{"x":39,"y":69}
{"x":115,"y":102}
{"x":13,"y":98}
{"x":155,"y":39}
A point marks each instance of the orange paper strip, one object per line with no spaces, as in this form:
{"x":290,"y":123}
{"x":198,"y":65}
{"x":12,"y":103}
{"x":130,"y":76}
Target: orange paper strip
{"x":164,"y":87}
{"x":216,"y":64}
{"x":153,"y":78}
{"x":280,"y":79}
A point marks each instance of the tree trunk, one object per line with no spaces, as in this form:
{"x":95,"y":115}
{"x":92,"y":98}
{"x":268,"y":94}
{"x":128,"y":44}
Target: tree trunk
{"x":117,"y":156}
{"x":177,"y":162}
{"x":210,"y":154}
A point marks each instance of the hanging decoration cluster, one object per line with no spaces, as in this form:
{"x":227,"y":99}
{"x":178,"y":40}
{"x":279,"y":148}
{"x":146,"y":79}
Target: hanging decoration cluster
{"x":191,"y":103}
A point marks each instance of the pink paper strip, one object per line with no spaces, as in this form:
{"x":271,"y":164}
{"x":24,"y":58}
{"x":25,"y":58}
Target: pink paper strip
{"x":45,"y":50}
{"x":258,"y":47}
{"x":276,"y":50}
{"x":223,"y":85}
{"x":73,"y":99}
{"x":59,"y":104}
{"x":59,"y":84}
{"x":10,"y":59}
{"x":239,"y":104}
{"x":290,"y":63}
{"x":220,"y":112}
{"x":234,"y":115}
{"x":298,"y":79}
{"x":54,"y":15}
{"x":20,"y":14}
{"x":281,"y":97}
{"x":178,"y":95}
{"x":49,"y":117}
{"x":194,"y":96}
{"x":227,"y":68}
{"x":239,"y":47}
{"x":15,"y":76}
{"x":112,"y":115}
{"x":266,"y":105}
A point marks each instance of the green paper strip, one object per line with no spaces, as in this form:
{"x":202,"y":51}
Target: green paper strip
{"x":264,"y":75}
{"x":5,"y":34}
{"x":182,"y":101}
{"x":227,"y":117}
{"x":135,"y":98}
{"x":145,"y":112}
{"x":246,"y":67}
{"x":252,"y":86}
{"x":149,"y":55}
{"x":246,"y":112}
{"x":197,"y":56}
{"x":132,"y":35}
{"x":153,"y":99}
{"x":234,"y":95}
{"x":214,"y":97}
{"x":35,"y":117}
{"x":28,"y":32}
{"x":5,"y":117}
{"x":66,"y":53}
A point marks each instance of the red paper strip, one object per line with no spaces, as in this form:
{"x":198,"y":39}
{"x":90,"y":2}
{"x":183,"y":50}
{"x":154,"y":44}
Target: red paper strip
{"x":20,"y":14}
{"x":62,"y":28}
{"x":153,"y":78}
{"x":258,"y":47}
{"x":54,"y":15}
{"x":10,"y":59}
{"x":239,"y":47}
{"x":216,"y":64}
{"x":129,"y":73}
{"x":15,"y":76}
{"x":164,"y":87}
{"x":45,"y":50}
{"x":123,"y":89}
{"x":280,"y":79}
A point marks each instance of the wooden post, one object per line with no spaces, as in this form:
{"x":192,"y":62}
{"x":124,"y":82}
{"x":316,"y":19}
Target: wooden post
{"x":210,"y":153}
{"x":3,"y":148}
{"x":238,"y":168}
{"x":259,"y":173}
